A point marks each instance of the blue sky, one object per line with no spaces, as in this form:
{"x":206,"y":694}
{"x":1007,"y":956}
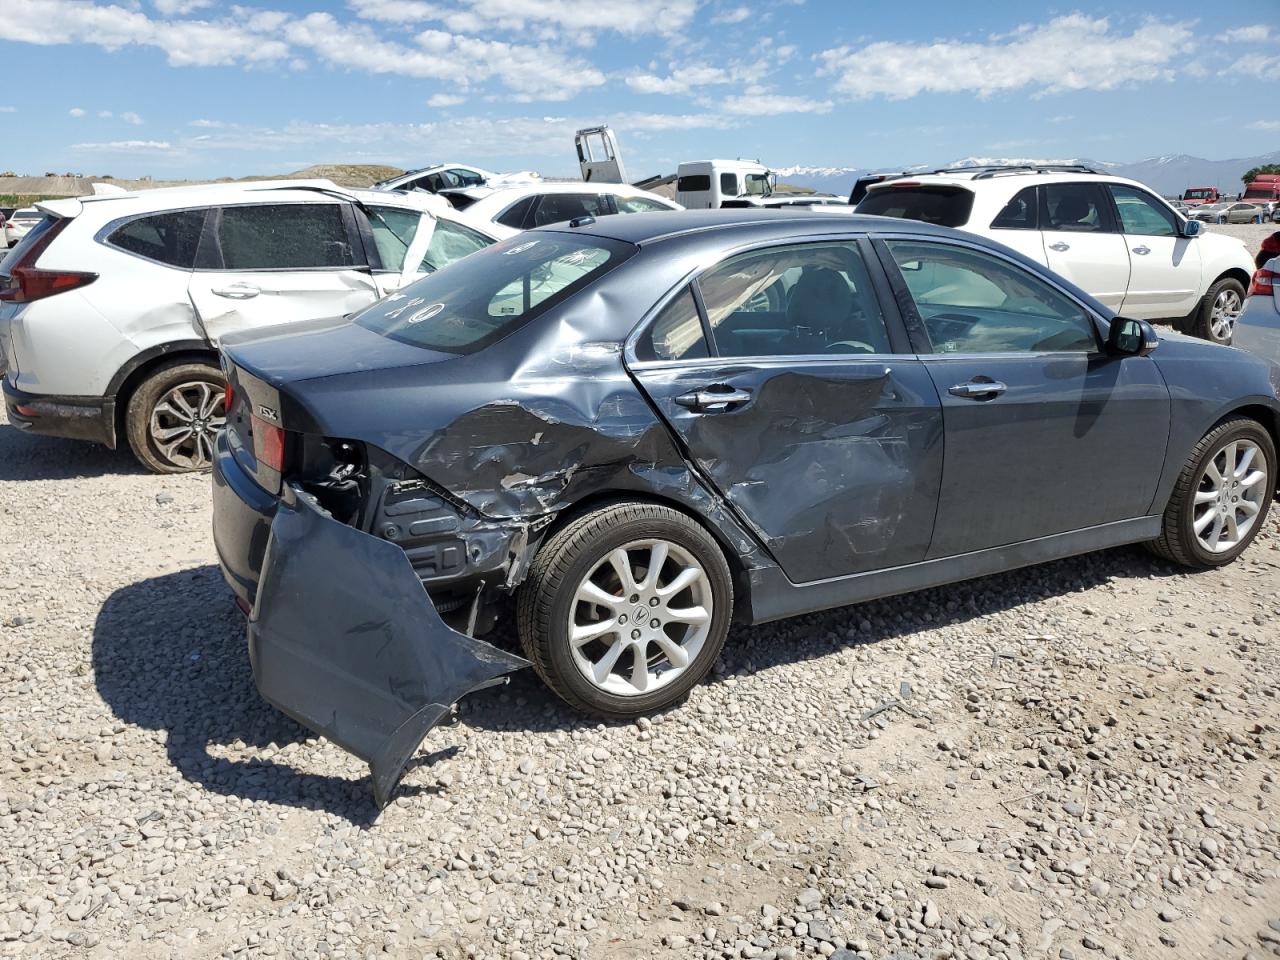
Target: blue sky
{"x":203,"y":88}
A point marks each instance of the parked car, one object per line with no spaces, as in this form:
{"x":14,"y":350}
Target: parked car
{"x":1112,"y":236}
{"x":450,"y":176}
{"x":1258,"y":329}
{"x":1234,"y":212}
{"x":511,"y":208}
{"x":112,"y":307}
{"x":643,"y":428}
{"x":19,"y":224}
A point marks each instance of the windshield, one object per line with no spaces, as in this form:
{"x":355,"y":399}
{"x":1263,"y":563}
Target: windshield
{"x":493,"y":292}
{"x":1201,"y":194}
{"x":758,"y":184}
{"x":1261,"y":193}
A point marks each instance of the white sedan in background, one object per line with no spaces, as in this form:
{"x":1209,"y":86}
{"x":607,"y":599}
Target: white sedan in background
{"x":507,"y":210}
{"x":17,"y":226}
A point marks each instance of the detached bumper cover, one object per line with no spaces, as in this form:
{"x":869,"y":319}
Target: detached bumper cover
{"x":344,"y":639}
{"x":73,"y":418}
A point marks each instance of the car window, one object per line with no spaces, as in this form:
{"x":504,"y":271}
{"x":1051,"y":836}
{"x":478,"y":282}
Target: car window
{"x":393,"y":230}
{"x":795,"y":300}
{"x":559,"y":207}
{"x":515,"y":215}
{"x":974,"y":302}
{"x":945,"y":205}
{"x":1076,"y":207}
{"x":449,"y":242}
{"x":676,"y":332}
{"x":466,"y":178}
{"x":170,"y":238}
{"x":638,"y":205}
{"x":1141,"y":214}
{"x":694,"y":183}
{"x":488,"y":295}
{"x":284,"y":236}
{"x":1020,"y":213}
{"x":729,"y":184}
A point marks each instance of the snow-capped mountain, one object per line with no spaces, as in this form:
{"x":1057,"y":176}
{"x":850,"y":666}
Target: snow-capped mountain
{"x":1168,"y":176}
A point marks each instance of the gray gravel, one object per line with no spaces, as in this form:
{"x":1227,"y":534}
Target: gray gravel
{"x":1076,"y":760}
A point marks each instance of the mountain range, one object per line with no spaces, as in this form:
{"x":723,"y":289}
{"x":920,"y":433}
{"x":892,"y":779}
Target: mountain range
{"x":1168,"y":176}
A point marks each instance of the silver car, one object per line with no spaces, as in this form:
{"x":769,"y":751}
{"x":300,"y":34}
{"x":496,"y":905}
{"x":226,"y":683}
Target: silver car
{"x":1258,"y":327}
{"x":1237,"y":212}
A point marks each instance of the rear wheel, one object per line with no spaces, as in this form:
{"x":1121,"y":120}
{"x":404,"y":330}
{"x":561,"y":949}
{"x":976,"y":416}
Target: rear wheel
{"x":626,"y":609}
{"x":174,"y":415}
{"x":1215,"y":318}
{"x":1222,"y":496}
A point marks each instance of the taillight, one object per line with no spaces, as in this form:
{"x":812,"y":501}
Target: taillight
{"x":268,"y":444}
{"x":227,"y":396}
{"x":1264,"y":283}
{"x":26,"y":283}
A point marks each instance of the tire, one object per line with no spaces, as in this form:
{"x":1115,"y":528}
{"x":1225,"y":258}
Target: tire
{"x":1215,"y":318}
{"x":1221,"y":220}
{"x":153,"y":414}
{"x":577,"y":559}
{"x":1179,"y":540}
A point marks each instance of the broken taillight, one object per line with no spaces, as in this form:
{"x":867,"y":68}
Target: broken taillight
{"x":268,"y":444}
{"x":26,"y":283}
{"x":1264,"y":283}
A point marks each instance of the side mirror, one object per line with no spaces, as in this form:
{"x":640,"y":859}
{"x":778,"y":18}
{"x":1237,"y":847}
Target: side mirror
{"x":1192,"y":228}
{"x":1131,"y":338}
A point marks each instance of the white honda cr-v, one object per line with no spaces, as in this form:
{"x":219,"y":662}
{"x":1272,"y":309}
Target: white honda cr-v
{"x":1111,"y":237}
{"x":112,"y":307}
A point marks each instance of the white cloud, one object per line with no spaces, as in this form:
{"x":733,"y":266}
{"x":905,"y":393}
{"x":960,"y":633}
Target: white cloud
{"x":1062,"y":118}
{"x":126,"y":146}
{"x":1253,"y":65}
{"x":681,"y":80}
{"x":172,"y":8}
{"x":445,"y":100}
{"x":105,"y":114}
{"x":732,"y":15}
{"x":206,"y":123}
{"x":574,"y":17}
{"x":1071,"y":52}
{"x":771,"y":104}
{"x":8,"y":109}
{"x":130,"y":117}
{"x":1267,"y":126}
{"x":1255,"y":33}
{"x":76,"y":112}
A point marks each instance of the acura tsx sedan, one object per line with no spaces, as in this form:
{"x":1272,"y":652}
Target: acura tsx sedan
{"x":637,"y":431}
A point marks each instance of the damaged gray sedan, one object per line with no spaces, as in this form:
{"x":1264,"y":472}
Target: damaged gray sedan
{"x":638,"y":431}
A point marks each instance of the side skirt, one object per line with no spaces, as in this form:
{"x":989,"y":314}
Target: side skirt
{"x":774,"y":597}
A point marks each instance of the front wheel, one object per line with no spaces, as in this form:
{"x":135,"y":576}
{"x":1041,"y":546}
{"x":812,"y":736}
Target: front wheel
{"x":1222,"y":496}
{"x":174,"y":416}
{"x":1218,"y":311}
{"x":626,"y":609}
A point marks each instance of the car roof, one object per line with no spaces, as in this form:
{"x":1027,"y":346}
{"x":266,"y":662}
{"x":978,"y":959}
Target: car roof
{"x":1010,"y":180}
{"x":502,"y":196}
{"x":646,"y":228}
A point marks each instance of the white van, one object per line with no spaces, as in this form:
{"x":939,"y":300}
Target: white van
{"x":706,"y":184}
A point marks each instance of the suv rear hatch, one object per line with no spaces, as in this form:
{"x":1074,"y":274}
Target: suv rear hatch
{"x":945,"y":204}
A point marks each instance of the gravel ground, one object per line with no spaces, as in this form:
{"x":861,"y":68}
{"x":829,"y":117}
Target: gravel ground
{"x":1075,"y":760}
{"x":1251,"y":233}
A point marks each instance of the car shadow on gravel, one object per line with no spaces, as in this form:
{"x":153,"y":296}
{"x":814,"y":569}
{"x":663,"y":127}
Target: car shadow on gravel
{"x":26,"y":456}
{"x":169,"y":655}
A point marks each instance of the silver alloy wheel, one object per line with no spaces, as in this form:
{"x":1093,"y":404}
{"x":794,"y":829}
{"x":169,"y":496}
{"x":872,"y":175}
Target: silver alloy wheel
{"x":1230,"y":495}
{"x":1226,"y":309}
{"x":185,"y":421}
{"x":640,"y":617}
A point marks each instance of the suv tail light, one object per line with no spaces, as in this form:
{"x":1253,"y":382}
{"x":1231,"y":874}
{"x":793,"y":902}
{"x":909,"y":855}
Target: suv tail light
{"x":1264,"y":283}
{"x":26,"y":283}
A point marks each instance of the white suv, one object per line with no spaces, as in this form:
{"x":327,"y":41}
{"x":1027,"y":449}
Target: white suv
{"x":112,"y":307}
{"x":508,"y":209}
{"x":1111,"y":237}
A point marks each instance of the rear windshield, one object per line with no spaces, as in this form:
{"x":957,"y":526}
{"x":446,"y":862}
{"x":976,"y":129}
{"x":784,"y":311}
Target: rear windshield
{"x":490,"y":294}
{"x":945,"y":206}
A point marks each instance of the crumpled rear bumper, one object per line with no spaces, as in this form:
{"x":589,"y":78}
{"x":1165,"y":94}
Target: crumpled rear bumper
{"x":344,"y":639}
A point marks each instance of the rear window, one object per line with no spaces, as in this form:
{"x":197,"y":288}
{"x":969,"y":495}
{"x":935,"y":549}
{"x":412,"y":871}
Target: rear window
{"x":169,"y":238}
{"x":945,"y":206}
{"x":490,"y":294}
{"x":693,"y":183}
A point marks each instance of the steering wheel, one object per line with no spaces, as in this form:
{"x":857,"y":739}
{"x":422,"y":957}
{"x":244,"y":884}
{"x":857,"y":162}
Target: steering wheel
{"x":838,"y":345}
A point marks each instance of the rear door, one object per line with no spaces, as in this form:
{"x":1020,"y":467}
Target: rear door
{"x":1017,"y":225}
{"x":1165,"y":266}
{"x":1081,"y":241}
{"x":799,"y":400}
{"x":267,"y":263}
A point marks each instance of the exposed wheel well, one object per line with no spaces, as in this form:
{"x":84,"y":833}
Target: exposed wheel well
{"x":142,"y":371}
{"x":741,"y":582}
{"x":1236,"y":274}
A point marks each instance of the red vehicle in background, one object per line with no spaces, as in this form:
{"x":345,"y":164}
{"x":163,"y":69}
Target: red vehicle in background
{"x":1264,"y":189}
{"x":1198,"y":196}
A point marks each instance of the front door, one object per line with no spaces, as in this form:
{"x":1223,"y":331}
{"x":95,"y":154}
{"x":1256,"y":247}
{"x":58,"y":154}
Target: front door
{"x":1045,"y":433}
{"x":1164,"y":273}
{"x":820,"y":429}
{"x":1080,"y":240}
{"x":269,"y":263}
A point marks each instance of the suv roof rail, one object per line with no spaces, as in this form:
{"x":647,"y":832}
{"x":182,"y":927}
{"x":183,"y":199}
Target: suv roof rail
{"x":991,"y":172}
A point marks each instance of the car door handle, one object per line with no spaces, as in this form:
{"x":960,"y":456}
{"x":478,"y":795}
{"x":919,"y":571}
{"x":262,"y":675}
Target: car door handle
{"x":713,"y":400}
{"x":237,"y":291}
{"x":978,"y":389}
{"x":1144,"y":250}
{"x":1060,"y":246}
